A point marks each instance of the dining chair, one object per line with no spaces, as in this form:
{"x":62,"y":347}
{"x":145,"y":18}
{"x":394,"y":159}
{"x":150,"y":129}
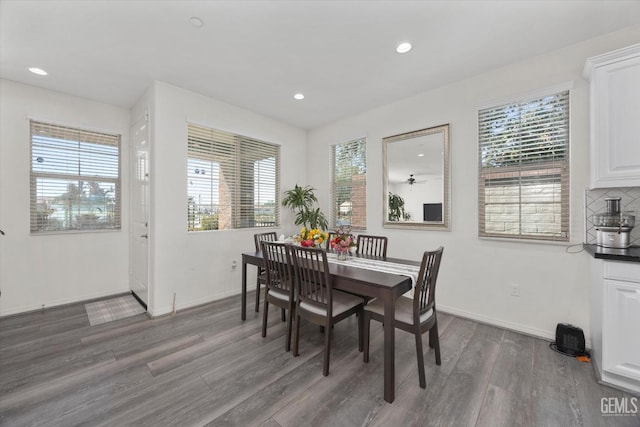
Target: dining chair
{"x":279,"y":289}
{"x":317,"y":301}
{"x":416,"y":315}
{"x":261,"y":277}
{"x":372,"y":245}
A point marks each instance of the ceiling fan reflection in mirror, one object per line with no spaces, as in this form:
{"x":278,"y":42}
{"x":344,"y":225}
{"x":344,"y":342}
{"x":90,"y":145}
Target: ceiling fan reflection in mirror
{"x":412,"y":180}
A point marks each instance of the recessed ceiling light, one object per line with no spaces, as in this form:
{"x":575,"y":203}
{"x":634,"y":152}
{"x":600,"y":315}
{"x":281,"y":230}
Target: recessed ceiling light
{"x":421,"y":155}
{"x":38,"y":71}
{"x":403,"y":47}
{"x":298,"y":96}
{"x":196,"y":22}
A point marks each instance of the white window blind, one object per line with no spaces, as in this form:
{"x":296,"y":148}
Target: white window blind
{"x":349,"y":184}
{"x":524,"y":169}
{"x":233,"y":181}
{"x":75,"y":179}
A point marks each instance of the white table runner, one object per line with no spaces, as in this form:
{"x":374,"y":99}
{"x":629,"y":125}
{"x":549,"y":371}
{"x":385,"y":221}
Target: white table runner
{"x":378,"y":265}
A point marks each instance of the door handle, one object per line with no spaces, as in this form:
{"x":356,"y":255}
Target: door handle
{"x":146,"y":236}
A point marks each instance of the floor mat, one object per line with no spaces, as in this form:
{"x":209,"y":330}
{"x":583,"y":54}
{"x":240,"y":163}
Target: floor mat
{"x":113,"y":309}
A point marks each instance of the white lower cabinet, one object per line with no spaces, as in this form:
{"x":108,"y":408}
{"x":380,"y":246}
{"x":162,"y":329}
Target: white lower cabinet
{"x":615,"y":305}
{"x":621,"y":329}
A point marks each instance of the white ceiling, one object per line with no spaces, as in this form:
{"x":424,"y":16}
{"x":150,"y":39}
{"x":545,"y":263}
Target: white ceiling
{"x":257,"y":54}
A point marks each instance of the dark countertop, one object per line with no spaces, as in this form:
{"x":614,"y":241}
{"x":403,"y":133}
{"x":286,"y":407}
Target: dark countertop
{"x":631,"y":254}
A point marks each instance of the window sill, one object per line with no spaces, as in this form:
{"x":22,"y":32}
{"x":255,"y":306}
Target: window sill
{"x":532,"y":241}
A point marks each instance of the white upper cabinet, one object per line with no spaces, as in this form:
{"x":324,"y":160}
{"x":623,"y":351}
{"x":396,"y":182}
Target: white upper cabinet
{"x":615,"y":118}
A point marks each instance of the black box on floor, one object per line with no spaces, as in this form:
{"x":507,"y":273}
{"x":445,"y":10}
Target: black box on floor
{"x":570,"y":340}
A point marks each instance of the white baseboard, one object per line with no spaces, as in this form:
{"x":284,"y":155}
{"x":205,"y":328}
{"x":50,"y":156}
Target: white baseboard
{"x":516,"y":327}
{"x":168,"y":309}
{"x":64,"y":301}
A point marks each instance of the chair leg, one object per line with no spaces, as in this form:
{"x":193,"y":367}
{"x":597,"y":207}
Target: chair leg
{"x":265,"y":316}
{"x":296,"y":337}
{"x":431,"y":339}
{"x":257,"y":295}
{"x":327,"y":349}
{"x":289,"y":328}
{"x":360,"y":328}
{"x":434,"y":342}
{"x":366,"y":320}
{"x":284,"y":315}
{"x":419,"y":352}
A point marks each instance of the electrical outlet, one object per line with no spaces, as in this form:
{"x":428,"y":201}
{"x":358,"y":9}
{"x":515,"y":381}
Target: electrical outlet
{"x":515,"y":290}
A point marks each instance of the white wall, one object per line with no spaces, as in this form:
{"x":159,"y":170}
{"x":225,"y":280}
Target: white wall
{"x":45,"y":270}
{"x":477,"y":274}
{"x":197,"y":266}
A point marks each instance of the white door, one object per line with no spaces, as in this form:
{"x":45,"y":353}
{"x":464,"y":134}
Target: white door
{"x":139,"y":269}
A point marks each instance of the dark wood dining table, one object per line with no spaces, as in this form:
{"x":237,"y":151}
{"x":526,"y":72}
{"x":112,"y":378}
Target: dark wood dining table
{"x":375,"y":284}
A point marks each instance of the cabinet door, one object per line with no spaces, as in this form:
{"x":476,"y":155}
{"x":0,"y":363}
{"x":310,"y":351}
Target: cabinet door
{"x":621,"y":329}
{"x":615,"y":127}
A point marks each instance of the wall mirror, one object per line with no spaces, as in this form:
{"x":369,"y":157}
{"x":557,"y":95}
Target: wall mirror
{"x":416,"y":179}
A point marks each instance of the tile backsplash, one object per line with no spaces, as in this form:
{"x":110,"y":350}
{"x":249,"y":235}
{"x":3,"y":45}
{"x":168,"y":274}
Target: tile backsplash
{"x":594,"y":203}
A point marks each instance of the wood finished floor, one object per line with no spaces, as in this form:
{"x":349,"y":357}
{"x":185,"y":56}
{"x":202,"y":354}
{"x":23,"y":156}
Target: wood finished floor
{"x":204,"y":366}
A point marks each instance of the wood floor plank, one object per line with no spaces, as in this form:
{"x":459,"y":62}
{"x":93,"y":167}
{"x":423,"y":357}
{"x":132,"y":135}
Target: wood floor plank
{"x":84,"y":404}
{"x":554,"y":398}
{"x":38,"y":350}
{"x":11,"y":336}
{"x":515,"y":365}
{"x":461,"y":397}
{"x":42,"y":317}
{"x":360,"y":391}
{"x":510,"y":384}
{"x":590,"y":395}
{"x":64,"y":325}
{"x":413,"y":405}
{"x":173,"y":360}
{"x":237,"y":382}
{"x":176,"y":404}
{"x":42,"y":391}
{"x":23,"y":375}
{"x":258,"y":408}
{"x":107,"y":332}
{"x":500,"y":408}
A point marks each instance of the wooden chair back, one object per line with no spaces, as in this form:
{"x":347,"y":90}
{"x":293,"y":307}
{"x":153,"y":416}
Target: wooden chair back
{"x":372,"y":245}
{"x":266,"y":237}
{"x":424,"y":296}
{"x":277,"y":265}
{"x":313,"y":281}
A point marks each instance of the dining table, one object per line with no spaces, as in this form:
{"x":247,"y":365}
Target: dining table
{"x":361,"y":281}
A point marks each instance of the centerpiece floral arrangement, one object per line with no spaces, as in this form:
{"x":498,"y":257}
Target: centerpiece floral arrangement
{"x":312,"y":237}
{"x":343,"y":241}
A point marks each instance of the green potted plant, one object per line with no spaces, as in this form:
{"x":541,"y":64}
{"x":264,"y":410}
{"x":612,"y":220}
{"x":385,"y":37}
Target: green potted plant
{"x":396,"y":208}
{"x":302,"y":200}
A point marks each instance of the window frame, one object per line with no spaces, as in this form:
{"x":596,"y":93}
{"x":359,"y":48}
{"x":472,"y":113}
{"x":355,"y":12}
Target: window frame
{"x":334,"y":185}
{"x":228,"y":148}
{"x":89,"y":222}
{"x":553,"y":171}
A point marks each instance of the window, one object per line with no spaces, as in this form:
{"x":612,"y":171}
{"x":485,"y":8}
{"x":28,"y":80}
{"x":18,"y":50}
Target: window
{"x":524,"y":169}
{"x":349,"y":184}
{"x":233,"y":181}
{"x":75,"y":179}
